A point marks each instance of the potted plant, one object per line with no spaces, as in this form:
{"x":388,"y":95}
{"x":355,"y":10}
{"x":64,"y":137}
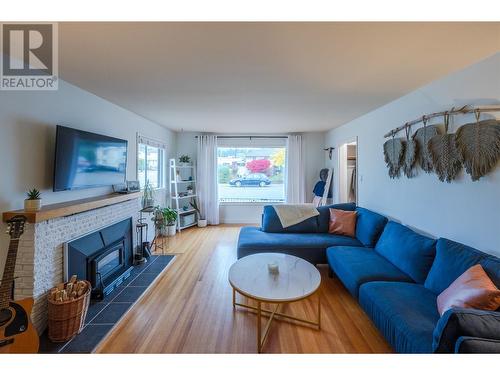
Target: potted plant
{"x":159,"y":221}
{"x":164,"y":220}
{"x":34,"y":201}
{"x":201,"y":222}
{"x":189,"y":189}
{"x":184,"y":160}
{"x":148,"y":200}
{"x":170,"y":217}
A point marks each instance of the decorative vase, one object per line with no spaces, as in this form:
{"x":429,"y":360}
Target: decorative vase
{"x":32,"y":204}
{"x":171,"y":230}
{"x":202,"y":223}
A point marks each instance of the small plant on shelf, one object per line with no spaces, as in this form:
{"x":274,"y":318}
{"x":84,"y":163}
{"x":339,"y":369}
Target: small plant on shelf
{"x":184,"y":160}
{"x":34,"y":200}
{"x":33,"y":194}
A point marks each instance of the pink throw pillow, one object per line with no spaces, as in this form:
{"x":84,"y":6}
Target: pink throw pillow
{"x":342,"y":222}
{"x":473,"y":289}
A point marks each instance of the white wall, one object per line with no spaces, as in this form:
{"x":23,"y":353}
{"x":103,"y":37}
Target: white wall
{"x":312,"y":147}
{"x":27,"y":135}
{"x":464,"y":211}
{"x":186,"y":144}
{"x":250,"y":213}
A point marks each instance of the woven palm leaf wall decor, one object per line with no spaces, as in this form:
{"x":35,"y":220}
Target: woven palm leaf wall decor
{"x":445,"y":157}
{"x":422,"y":137}
{"x":393,"y":154}
{"x":478,"y":146}
{"x":410,"y":154}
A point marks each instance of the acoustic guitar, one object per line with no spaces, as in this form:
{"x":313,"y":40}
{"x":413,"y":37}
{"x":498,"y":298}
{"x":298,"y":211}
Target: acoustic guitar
{"x":17,"y":334}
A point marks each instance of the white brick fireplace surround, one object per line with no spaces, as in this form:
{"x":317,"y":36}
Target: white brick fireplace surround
{"x":40,"y":263}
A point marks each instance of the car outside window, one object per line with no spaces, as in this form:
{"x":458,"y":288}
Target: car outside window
{"x":251,"y":174}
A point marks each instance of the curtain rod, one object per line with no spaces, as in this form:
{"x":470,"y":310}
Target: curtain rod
{"x":465,"y":109}
{"x":250,"y":136}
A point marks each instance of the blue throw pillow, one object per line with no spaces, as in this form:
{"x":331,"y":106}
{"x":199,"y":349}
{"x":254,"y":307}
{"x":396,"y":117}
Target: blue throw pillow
{"x":271,"y":223}
{"x":411,"y":252}
{"x":452,"y":260}
{"x":369,"y":225}
{"x":324,"y":214}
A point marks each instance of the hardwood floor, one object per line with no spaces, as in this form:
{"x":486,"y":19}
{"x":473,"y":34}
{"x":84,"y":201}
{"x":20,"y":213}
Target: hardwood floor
{"x":189,"y":310}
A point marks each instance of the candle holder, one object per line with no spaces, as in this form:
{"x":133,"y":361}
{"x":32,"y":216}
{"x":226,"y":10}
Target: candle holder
{"x":273,"y":268}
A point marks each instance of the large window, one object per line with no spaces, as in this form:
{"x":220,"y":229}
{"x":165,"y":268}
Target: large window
{"x":251,"y":174}
{"x":150,"y":165}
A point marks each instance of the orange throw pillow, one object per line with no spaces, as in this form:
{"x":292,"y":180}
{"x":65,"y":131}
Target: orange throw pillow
{"x":342,"y":222}
{"x":473,"y":289}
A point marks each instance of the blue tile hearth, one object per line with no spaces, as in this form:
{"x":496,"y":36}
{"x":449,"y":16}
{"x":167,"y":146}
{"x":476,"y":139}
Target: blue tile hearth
{"x":144,"y":279}
{"x":111,"y":313}
{"x":154,"y":268}
{"x":94,"y":309}
{"x":103,"y":315}
{"x":130,"y":294}
{"x":88,"y":339}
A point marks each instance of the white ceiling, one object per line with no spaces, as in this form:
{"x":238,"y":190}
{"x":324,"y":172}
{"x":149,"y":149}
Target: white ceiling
{"x":264,"y":77}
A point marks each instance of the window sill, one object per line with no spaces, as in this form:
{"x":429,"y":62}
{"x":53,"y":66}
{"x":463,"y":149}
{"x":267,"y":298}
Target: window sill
{"x":249,"y":203}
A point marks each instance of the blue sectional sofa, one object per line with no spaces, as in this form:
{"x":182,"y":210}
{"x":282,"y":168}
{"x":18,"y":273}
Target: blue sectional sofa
{"x":309,"y":239}
{"x":396,"y":275}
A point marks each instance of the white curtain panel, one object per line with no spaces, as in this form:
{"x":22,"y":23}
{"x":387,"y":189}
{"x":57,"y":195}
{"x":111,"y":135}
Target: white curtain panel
{"x":206,"y":177}
{"x":295,"y":176}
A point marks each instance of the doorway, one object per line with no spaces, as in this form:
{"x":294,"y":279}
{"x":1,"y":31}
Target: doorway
{"x":347,"y":176}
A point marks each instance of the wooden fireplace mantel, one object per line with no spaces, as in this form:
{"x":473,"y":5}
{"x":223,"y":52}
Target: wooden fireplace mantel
{"x":53,"y":211}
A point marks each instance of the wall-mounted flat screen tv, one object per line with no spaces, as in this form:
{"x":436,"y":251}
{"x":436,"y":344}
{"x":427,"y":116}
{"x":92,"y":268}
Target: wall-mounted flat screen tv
{"x":85,"y":160}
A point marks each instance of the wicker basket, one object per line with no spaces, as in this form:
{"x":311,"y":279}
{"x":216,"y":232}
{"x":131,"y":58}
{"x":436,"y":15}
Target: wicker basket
{"x":66,"y":319}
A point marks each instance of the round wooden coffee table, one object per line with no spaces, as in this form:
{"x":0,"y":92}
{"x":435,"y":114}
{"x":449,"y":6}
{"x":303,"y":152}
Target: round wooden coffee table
{"x":296,"y":280}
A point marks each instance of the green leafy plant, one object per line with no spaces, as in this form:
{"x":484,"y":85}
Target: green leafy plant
{"x":157,"y":218}
{"x":184,"y":159}
{"x":33,"y":194}
{"x":163,"y":217}
{"x":170,"y":215}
